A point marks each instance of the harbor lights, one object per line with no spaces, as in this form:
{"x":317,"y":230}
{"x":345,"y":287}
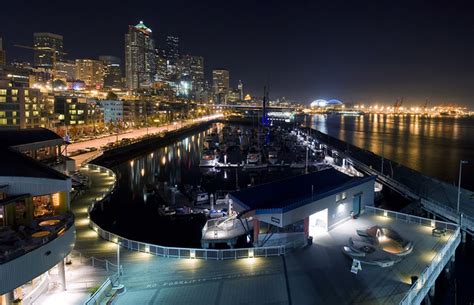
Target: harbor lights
{"x":459,"y":184}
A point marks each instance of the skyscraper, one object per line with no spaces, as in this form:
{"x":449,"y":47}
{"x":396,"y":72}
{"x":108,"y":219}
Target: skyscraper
{"x":220,"y":85}
{"x":140,"y":62}
{"x":3,"y":57}
{"x":91,"y":72}
{"x":48,"y":49}
{"x":112,"y":72}
{"x":172,"y":49}
{"x":240,"y":87}
{"x":193,"y":66}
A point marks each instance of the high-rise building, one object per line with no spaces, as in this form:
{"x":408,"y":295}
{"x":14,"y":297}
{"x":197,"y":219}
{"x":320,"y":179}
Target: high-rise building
{"x":193,"y":67}
{"x":3,"y":57}
{"x":240,"y":87}
{"x":140,"y":62}
{"x":220,"y":85}
{"x":172,"y":49}
{"x":65,"y":70}
{"x":91,"y":72}
{"x":48,"y":49}
{"x":220,"y":81}
{"x":161,"y":68}
{"x":112,"y":72}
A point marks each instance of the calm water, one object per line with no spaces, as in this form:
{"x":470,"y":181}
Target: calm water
{"x":432,"y":146}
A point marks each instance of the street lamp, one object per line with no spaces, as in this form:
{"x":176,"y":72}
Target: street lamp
{"x":459,"y":184}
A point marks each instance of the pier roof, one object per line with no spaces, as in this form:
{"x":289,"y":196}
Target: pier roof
{"x":293,"y":192}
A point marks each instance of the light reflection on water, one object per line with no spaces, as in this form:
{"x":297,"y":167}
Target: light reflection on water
{"x":433,"y":146}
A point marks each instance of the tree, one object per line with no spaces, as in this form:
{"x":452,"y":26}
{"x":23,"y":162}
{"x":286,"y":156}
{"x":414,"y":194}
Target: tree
{"x":111,"y":96}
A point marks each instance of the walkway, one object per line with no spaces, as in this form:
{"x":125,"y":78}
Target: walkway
{"x":154,"y":280}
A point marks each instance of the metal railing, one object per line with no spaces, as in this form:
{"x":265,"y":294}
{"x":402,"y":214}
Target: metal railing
{"x":427,"y":277}
{"x":174,"y":252}
{"x":370,"y":210}
{"x":101,"y":293}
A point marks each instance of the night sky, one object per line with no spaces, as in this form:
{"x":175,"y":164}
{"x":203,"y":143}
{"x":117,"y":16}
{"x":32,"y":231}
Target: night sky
{"x":356,"y":51}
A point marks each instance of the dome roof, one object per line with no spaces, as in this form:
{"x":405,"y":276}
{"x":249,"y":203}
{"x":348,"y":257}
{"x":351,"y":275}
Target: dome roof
{"x":325,"y":103}
{"x":334,"y":102}
{"x":141,"y":26}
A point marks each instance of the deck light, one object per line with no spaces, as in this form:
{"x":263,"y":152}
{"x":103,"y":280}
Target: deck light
{"x":251,"y":253}
{"x":192,"y":254}
{"x":385,"y":213}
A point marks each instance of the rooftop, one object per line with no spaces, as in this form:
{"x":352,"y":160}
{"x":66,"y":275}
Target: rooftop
{"x":15,"y":164}
{"x":371,"y":285}
{"x":16,"y":137}
{"x":285,"y":194}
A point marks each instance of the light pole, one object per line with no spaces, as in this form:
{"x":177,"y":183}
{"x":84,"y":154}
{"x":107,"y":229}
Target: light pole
{"x":118,"y":262}
{"x":459,"y":184}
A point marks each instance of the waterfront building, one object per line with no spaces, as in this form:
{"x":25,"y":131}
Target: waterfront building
{"x":140,"y":62}
{"x":112,"y":71}
{"x":21,"y":107}
{"x":3,"y":55}
{"x":37,"y":227}
{"x":319,"y":200}
{"x":91,"y":72}
{"x":73,"y":110}
{"x":48,"y":49}
{"x":220,"y":85}
{"x":66,"y":70}
{"x":113,"y":111}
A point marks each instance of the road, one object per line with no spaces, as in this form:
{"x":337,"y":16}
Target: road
{"x":135,"y":133}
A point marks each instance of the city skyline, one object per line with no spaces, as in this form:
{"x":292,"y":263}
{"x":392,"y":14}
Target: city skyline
{"x":375,"y":54}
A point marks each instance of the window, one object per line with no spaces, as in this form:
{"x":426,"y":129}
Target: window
{"x":3,"y":121}
{"x":341,"y":196}
{"x":3,"y":99}
{"x":2,"y":114}
{"x":14,"y":91}
{"x":3,"y":91}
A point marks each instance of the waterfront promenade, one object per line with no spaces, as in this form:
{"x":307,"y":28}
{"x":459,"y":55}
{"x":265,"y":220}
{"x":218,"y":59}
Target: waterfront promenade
{"x":154,"y":280}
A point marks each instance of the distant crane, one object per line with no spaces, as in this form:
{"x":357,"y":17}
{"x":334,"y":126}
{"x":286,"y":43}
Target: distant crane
{"x":42,"y":49}
{"x":398,"y":104}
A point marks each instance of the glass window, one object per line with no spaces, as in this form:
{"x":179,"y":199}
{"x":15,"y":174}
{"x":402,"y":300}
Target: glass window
{"x":43,"y":206}
{"x":3,"y":121}
{"x":3,"y":99}
{"x":14,"y":91}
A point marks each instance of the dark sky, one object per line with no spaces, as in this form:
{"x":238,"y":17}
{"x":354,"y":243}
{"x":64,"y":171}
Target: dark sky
{"x":373,"y":51}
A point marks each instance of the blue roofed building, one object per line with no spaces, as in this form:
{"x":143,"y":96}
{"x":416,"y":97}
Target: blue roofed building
{"x":318,"y":201}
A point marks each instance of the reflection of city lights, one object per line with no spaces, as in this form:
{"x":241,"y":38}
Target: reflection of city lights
{"x":142,"y":172}
{"x":163,"y":160}
{"x":131,"y":163}
{"x":179,"y":152}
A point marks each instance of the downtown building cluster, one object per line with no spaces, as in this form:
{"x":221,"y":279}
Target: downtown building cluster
{"x":153,"y":85}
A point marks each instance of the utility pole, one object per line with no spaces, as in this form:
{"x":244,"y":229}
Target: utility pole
{"x":459,"y":184}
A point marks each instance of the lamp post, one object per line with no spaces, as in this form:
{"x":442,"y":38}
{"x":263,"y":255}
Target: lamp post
{"x":459,"y":184}
{"x":118,"y":262}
